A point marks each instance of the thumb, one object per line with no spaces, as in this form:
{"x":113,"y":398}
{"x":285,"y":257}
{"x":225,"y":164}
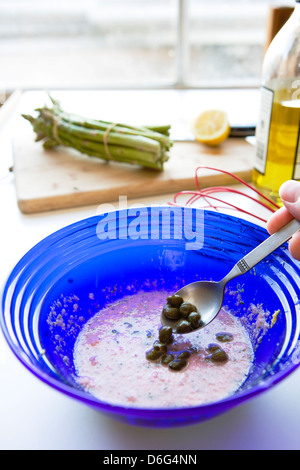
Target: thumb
{"x":290,"y":195}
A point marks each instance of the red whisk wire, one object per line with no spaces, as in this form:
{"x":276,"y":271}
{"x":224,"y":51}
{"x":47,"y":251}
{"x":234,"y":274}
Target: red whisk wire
{"x":206,"y":194}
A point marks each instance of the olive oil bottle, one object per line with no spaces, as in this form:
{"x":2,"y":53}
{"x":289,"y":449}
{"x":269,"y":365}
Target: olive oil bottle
{"x":277,"y":156}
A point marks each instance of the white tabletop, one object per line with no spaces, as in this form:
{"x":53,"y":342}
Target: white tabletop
{"x":35,"y":416}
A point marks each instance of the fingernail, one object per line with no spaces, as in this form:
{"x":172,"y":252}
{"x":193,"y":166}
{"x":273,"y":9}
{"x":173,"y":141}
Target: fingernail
{"x":290,"y":192}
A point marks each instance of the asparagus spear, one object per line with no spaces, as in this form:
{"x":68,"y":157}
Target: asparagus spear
{"x":144,"y":146}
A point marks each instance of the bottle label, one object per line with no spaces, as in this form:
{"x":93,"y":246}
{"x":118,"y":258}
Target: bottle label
{"x":263,"y":129}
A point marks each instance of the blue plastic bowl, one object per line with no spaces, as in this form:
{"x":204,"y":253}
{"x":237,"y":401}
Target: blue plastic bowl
{"x":75,"y":262}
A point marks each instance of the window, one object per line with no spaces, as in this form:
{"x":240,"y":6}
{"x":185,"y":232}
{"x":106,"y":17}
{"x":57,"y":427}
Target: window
{"x":132,"y":43}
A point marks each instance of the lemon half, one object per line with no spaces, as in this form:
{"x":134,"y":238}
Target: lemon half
{"x":211,"y":127}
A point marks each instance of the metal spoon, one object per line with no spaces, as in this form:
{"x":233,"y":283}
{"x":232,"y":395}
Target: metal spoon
{"x":208,"y":296}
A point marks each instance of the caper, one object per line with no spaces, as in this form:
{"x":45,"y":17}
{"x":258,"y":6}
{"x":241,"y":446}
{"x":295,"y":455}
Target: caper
{"x":186,"y":308}
{"x":158,"y":346}
{"x":183,"y":327}
{"x":175,"y":300}
{"x":219,"y":356}
{"x":171,"y":312}
{"x":166,"y":359}
{"x":178,"y":364}
{"x":184,"y":355}
{"x":212,"y":347}
{"x":153,"y":354}
{"x":165,"y":334}
{"x":224,"y":337}
{"x":195,"y":319}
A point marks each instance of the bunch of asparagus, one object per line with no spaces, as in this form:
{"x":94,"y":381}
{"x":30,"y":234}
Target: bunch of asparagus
{"x":144,"y":146}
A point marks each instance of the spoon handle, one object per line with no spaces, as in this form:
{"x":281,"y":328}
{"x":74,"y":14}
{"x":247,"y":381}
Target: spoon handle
{"x":263,"y":250}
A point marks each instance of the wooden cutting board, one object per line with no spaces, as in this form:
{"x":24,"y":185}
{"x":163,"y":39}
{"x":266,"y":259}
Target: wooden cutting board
{"x":63,"y":178}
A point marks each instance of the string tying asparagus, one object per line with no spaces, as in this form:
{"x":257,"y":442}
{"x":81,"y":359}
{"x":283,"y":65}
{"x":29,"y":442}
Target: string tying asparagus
{"x":144,"y":146}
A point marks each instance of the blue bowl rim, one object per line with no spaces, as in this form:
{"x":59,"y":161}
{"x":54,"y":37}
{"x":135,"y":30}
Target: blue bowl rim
{"x":162,"y":413}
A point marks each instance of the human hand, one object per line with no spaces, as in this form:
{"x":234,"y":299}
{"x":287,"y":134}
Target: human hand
{"x":290,"y":195}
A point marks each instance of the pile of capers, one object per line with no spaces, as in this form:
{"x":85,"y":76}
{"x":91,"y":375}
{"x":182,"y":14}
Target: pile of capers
{"x":177,"y":309}
{"x":178,"y":360}
{"x":175,"y":361}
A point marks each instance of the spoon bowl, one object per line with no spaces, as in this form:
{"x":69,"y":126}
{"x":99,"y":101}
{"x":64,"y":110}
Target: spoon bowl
{"x":208,"y":296}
